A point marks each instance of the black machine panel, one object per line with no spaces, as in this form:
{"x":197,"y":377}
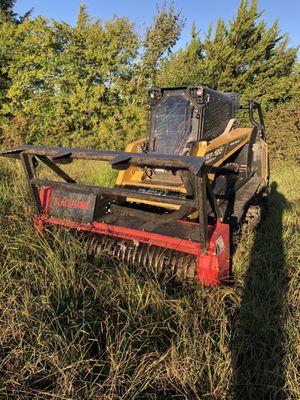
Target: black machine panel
{"x":219,"y":108}
{"x":72,"y":206}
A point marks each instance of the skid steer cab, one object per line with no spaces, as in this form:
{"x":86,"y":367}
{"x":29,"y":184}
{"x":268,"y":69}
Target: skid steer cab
{"x":178,"y":192}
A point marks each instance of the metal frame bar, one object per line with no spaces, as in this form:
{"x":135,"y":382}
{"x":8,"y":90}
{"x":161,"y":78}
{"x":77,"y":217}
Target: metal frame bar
{"x":119,"y":160}
{"x":212,"y":200}
{"x":50,"y":156}
{"x":30,"y":173}
{"x":254,"y":104}
{"x":115,"y":192}
{"x":55,"y":168}
{"x":251,"y":106}
{"x":200,"y":191}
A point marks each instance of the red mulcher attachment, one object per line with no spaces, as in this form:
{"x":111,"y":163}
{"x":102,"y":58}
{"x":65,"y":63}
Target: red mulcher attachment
{"x":167,"y":241}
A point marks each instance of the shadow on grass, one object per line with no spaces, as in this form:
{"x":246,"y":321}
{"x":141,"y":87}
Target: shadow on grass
{"x":258,"y":332}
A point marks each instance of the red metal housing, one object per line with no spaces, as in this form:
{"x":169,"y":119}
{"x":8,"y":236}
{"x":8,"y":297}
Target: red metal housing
{"x":212,"y":263}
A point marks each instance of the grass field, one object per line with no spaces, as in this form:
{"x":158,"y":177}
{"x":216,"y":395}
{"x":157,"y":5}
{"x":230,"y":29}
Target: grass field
{"x":70,"y":330}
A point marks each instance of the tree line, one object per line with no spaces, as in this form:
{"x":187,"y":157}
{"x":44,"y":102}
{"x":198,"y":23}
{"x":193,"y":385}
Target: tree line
{"x":86,"y":85}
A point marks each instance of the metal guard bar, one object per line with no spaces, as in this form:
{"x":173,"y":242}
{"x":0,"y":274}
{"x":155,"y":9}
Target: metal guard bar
{"x":51,"y":156}
{"x":113,"y":192}
{"x":119,"y":160}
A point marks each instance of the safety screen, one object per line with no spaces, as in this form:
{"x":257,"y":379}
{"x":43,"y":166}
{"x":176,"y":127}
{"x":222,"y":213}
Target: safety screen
{"x":218,"y":111}
{"x":172,"y":123}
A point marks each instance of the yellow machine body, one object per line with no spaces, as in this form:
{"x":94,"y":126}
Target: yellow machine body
{"x":220,"y":148}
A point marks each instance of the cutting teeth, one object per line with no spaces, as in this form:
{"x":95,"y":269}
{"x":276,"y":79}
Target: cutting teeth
{"x":162,"y":261}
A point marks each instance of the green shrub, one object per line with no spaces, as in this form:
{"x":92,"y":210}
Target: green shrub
{"x":283,"y":131}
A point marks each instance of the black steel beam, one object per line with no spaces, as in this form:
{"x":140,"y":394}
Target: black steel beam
{"x":114,"y":192}
{"x":201,"y":204}
{"x":212,"y":200}
{"x":150,"y":216}
{"x":30,"y":174}
{"x":118,"y":159}
{"x":55,"y":168}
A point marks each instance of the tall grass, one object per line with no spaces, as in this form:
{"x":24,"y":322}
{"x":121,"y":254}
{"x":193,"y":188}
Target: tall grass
{"x":72,"y":330}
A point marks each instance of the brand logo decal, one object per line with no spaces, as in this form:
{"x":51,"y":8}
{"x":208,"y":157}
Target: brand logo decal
{"x":68,"y":203}
{"x":215,"y":154}
{"x":72,"y":206}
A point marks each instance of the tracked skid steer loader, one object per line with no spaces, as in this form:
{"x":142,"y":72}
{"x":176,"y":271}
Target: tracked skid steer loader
{"x":178,"y":192}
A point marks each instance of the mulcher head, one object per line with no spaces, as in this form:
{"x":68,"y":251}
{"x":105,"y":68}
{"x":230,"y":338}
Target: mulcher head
{"x":173,"y":238}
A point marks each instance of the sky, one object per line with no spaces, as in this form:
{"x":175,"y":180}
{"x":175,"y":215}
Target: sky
{"x":203,"y":12}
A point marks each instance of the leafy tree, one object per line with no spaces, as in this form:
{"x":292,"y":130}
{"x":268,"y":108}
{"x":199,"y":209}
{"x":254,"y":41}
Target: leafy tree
{"x":85,"y":85}
{"x":153,"y":49}
{"x":7,"y":13}
{"x":160,"y":37}
{"x":243,"y":56}
{"x":80,"y":85}
{"x":185,"y":66}
{"x":68,"y":82}
{"x":6,"y":10}
{"x":30,"y":70}
{"x":96,"y":67}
